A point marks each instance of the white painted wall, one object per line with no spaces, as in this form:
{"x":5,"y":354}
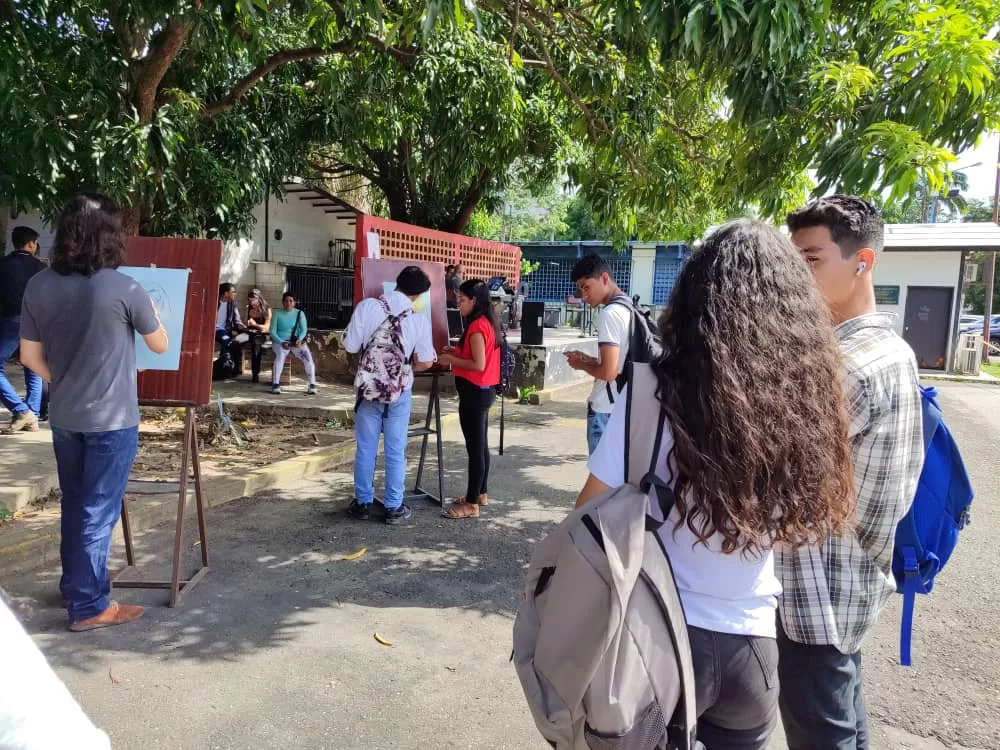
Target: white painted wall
{"x":34,"y":221}
{"x":929,"y":268}
{"x":643,"y":268}
{"x":306,"y":233}
{"x":904,"y":269}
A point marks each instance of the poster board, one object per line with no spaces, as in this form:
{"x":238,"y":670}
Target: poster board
{"x":378,"y":277}
{"x":167,"y":287}
{"x":190,"y":384}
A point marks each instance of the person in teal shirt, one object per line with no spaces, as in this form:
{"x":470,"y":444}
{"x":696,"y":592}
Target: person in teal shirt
{"x":288,"y":336}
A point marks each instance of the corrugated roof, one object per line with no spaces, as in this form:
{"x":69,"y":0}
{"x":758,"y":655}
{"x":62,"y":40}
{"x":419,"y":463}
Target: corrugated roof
{"x":977,"y":235}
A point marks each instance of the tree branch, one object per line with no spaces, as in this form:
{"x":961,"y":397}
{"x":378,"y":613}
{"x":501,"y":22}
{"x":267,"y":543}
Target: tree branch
{"x":595,"y":124}
{"x":8,"y":11}
{"x":155,"y":66}
{"x":284,"y":57}
{"x":122,"y":32}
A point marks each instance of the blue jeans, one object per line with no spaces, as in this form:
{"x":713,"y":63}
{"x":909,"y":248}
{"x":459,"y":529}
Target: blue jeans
{"x":596,"y":422}
{"x":10,"y":340}
{"x":393,"y":422}
{"x":93,"y":474}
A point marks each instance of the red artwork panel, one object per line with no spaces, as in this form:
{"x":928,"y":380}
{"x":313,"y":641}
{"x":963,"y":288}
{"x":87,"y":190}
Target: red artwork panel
{"x":191,"y":384}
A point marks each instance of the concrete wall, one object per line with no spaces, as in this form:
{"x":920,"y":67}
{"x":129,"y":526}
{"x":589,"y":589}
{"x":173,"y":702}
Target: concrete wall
{"x":643,"y":270}
{"x":925,"y":268}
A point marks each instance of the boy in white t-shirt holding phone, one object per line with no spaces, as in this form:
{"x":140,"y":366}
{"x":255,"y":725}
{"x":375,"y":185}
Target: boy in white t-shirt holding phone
{"x":597,"y":287}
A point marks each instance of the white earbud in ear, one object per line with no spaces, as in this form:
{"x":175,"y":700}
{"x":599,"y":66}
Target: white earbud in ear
{"x":861,"y":268}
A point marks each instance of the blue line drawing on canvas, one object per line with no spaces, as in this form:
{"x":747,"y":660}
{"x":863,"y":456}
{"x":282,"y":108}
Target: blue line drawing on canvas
{"x":167,"y":287}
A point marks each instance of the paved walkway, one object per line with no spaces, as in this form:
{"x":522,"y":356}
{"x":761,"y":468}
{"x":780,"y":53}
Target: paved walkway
{"x":277,"y":649}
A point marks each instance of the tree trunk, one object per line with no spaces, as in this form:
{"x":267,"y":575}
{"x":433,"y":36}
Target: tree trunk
{"x":131,"y":218}
{"x":473,"y":196}
{"x":395,"y":196}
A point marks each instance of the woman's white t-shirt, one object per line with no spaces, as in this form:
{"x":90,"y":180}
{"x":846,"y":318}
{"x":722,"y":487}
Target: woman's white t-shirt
{"x":727,"y":593}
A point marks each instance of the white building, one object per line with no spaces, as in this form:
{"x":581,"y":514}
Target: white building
{"x":920,"y":275}
{"x":308,"y":230}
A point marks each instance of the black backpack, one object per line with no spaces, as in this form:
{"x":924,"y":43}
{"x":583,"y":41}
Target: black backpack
{"x":644,"y":345}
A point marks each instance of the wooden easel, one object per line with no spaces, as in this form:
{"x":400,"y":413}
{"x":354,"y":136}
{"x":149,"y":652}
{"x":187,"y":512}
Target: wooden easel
{"x":433,"y":418}
{"x":189,"y":459}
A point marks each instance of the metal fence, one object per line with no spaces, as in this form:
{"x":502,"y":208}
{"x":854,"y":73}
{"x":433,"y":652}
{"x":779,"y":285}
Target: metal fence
{"x":551,"y":281}
{"x":325,"y":295}
{"x":667,"y":266}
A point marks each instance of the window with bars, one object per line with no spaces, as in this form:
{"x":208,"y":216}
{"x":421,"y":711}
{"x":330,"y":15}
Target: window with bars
{"x":325,"y":295}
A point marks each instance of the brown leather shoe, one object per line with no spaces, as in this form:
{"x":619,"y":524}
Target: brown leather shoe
{"x":115,"y":614}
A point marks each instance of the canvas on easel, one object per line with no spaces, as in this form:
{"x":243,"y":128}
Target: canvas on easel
{"x":184,"y":274}
{"x":378,"y":278}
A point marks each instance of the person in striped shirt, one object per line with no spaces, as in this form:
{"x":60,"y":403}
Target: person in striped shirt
{"x":833,"y":592}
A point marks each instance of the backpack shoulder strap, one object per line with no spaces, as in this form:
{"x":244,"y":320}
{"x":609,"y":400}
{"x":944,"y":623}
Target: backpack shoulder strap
{"x":633,"y":339}
{"x":295,"y":327}
{"x":644,"y":424}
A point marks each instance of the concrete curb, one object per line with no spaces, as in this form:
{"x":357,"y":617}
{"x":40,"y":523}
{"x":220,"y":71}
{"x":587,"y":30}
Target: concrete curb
{"x":36,"y":544}
{"x":538,"y":398}
{"x":961,"y":379}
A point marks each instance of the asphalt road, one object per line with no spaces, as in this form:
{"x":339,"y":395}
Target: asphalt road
{"x":276,"y":648}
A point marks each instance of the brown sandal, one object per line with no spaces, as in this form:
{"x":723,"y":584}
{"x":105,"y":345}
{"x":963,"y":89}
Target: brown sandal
{"x":483,"y":500}
{"x":461,"y":509}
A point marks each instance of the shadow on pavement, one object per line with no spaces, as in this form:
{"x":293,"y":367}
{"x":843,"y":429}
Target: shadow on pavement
{"x":277,"y":558}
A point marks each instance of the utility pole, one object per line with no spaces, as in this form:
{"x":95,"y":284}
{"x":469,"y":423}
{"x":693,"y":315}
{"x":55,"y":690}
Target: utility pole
{"x":988,"y":272}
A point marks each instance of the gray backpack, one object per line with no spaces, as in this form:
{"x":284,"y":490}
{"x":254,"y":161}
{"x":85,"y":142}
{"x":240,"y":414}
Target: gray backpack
{"x":600,"y":641}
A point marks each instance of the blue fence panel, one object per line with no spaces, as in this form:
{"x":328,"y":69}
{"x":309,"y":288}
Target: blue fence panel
{"x":551,"y":282}
{"x":669,"y":261}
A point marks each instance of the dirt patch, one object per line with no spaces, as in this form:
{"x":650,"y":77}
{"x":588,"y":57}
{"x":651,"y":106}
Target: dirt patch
{"x":252,"y":440}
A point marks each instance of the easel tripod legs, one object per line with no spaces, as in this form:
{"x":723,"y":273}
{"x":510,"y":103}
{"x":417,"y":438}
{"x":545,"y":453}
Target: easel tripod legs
{"x":189,"y":460}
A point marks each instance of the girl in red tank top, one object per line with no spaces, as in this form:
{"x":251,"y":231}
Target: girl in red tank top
{"x":475,"y":362}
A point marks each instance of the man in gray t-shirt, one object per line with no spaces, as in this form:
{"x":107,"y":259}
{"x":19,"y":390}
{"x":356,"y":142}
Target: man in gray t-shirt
{"x":87,"y":325}
{"x":78,"y":326}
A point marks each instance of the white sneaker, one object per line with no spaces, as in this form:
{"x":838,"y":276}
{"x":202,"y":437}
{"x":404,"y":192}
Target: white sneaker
{"x":311,"y":390}
{"x":276,"y":390}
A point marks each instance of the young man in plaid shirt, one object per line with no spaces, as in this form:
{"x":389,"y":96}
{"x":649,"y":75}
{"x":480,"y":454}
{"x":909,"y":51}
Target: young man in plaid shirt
{"x":834,"y":591}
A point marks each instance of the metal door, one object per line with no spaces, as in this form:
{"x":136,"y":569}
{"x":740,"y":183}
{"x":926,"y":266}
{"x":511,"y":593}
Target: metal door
{"x":926,"y":324}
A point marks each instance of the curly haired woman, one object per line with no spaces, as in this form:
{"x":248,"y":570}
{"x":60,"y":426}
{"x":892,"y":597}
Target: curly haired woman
{"x":758,"y":455}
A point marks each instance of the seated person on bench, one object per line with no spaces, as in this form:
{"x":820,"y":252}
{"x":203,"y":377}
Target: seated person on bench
{"x":230,"y":334}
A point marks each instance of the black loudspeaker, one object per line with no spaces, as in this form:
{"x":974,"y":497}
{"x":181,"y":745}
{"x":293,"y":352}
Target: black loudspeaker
{"x":531,"y":323}
{"x":454,"y":324}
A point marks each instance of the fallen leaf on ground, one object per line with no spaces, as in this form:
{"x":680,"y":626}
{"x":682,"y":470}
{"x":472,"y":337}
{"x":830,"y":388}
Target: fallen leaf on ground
{"x":382,"y":640}
{"x":450,"y":669}
{"x":196,"y":543}
{"x":357,"y":555}
{"x":111,"y":677}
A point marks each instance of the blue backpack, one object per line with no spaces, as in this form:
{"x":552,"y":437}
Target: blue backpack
{"x":928,"y":533}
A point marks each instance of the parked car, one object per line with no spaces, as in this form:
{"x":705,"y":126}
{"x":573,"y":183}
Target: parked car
{"x":976,"y":326}
{"x":970,"y":323}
